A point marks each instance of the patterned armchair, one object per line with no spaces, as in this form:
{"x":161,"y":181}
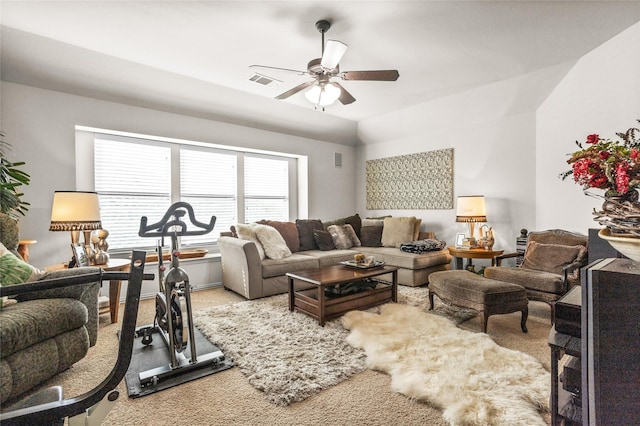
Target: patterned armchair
{"x":47,"y":330}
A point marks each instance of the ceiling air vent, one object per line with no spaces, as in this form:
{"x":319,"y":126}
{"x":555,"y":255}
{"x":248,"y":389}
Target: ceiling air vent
{"x":264,"y":80}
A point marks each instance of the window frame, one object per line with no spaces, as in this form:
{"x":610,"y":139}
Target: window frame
{"x":85,"y":138}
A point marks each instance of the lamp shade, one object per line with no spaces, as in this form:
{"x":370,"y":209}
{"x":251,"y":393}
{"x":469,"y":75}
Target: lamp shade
{"x":75,"y":211}
{"x":471,"y":209}
{"x":323,"y":94}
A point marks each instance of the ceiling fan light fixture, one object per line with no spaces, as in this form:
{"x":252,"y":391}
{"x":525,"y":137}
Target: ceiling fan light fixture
{"x":323,"y":95}
{"x":333,"y":52}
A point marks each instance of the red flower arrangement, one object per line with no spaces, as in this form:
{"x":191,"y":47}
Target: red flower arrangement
{"x":608,"y":165}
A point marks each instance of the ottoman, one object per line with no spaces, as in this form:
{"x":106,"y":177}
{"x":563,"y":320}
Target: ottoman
{"x":487,"y":296}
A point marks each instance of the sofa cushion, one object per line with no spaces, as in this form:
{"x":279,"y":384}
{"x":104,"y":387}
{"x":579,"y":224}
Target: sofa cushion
{"x":272,"y":241}
{"x":396,"y":257}
{"x":247,"y":232}
{"x":547,"y":282}
{"x":305,"y":233}
{"x":371,"y":232}
{"x":324,"y":240}
{"x":288,"y":230}
{"x":398,"y":230}
{"x":32,"y":321}
{"x":355,"y":221}
{"x":333,"y":257}
{"x":294,"y":263}
{"x":550,"y":257}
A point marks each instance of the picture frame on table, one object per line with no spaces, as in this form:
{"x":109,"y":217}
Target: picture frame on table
{"x":80,"y":256}
{"x":460,"y":240}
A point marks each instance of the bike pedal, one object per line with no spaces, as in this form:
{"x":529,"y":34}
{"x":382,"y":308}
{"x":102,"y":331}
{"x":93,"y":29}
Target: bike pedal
{"x":147,"y":337}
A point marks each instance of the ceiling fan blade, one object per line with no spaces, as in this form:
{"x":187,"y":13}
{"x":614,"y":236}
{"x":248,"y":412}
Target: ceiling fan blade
{"x":345,"y":97}
{"x":379,"y":75}
{"x":279,"y":69}
{"x":295,"y":90}
{"x":333,"y":52}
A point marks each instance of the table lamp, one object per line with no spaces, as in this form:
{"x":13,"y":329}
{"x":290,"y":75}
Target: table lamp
{"x":471,"y":209}
{"x":76,"y":211}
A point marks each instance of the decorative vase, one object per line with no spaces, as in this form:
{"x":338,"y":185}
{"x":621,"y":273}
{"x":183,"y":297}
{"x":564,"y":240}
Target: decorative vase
{"x":99,"y":240}
{"x":627,"y":245}
{"x":620,"y":214}
{"x":612,"y":200}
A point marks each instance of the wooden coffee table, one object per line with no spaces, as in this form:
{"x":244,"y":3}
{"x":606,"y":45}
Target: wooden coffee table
{"x":314,"y":303}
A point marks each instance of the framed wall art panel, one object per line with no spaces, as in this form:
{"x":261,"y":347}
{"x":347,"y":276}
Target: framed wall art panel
{"x":422,"y":181}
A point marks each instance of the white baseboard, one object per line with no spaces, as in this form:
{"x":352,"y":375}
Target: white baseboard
{"x":193,"y":289}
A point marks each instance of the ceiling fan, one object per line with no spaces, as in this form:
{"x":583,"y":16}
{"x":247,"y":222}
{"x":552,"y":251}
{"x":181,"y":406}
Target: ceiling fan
{"x":322,"y":90}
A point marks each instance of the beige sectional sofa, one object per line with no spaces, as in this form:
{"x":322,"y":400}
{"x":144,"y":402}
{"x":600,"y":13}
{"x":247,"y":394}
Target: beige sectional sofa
{"x":246,"y":273}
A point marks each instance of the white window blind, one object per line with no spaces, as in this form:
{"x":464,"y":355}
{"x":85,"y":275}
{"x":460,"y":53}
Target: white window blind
{"x":208,"y":181}
{"x":132,"y":180}
{"x":137,"y":177}
{"x":266,"y":188}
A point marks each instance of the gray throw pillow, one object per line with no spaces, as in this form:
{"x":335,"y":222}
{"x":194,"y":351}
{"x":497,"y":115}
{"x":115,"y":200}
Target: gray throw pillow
{"x":306,"y":227}
{"x":324,"y":240}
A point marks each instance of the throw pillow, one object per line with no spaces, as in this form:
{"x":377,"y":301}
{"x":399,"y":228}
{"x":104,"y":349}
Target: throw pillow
{"x":371,"y":232}
{"x":416,"y":228}
{"x":275,"y":247}
{"x":14,"y":270}
{"x":324,"y":240}
{"x":247,"y":232}
{"x":550,"y":257}
{"x":355,"y":221}
{"x":355,"y":241}
{"x":306,"y":228}
{"x":340,"y":237}
{"x":289,"y":232}
{"x":398,"y":230}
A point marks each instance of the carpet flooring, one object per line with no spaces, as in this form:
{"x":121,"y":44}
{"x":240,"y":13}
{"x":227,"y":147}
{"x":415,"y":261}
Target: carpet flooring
{"x":286,"y":355}
{"x":227,"y":398}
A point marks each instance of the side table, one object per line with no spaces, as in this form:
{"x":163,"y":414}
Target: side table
{"x":472,"y":253}
{"x":117,"y":265}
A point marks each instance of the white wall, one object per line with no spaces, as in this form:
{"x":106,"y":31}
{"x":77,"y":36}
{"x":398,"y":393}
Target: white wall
{"x":600,"y":95}
{"x":492,"y":132}
{"x":41,"y":126}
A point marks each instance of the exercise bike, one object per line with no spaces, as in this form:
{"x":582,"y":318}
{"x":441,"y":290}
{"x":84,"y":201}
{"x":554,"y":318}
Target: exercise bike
{"x":174,"y":320}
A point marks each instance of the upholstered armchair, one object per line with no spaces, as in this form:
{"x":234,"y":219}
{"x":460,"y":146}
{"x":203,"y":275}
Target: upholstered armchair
{"x":45,"y":331}
{"x":551,"y":265}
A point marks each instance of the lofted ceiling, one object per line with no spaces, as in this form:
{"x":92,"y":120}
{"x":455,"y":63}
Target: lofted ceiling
{"x":193,"y":57}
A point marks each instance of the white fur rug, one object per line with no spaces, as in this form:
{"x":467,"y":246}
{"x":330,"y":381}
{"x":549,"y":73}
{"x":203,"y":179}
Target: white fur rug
{"x":466,"y":374}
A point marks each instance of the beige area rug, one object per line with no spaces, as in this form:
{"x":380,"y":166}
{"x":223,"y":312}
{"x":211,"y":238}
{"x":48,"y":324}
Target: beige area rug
{"x":474,"y":380}
{"x":288,"y":356}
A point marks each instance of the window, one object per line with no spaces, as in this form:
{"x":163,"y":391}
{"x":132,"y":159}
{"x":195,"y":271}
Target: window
{"x":208,"y":183}
{"x":140,"y":177}
{"x":266,"y":189}
{"x":130,"y":188}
